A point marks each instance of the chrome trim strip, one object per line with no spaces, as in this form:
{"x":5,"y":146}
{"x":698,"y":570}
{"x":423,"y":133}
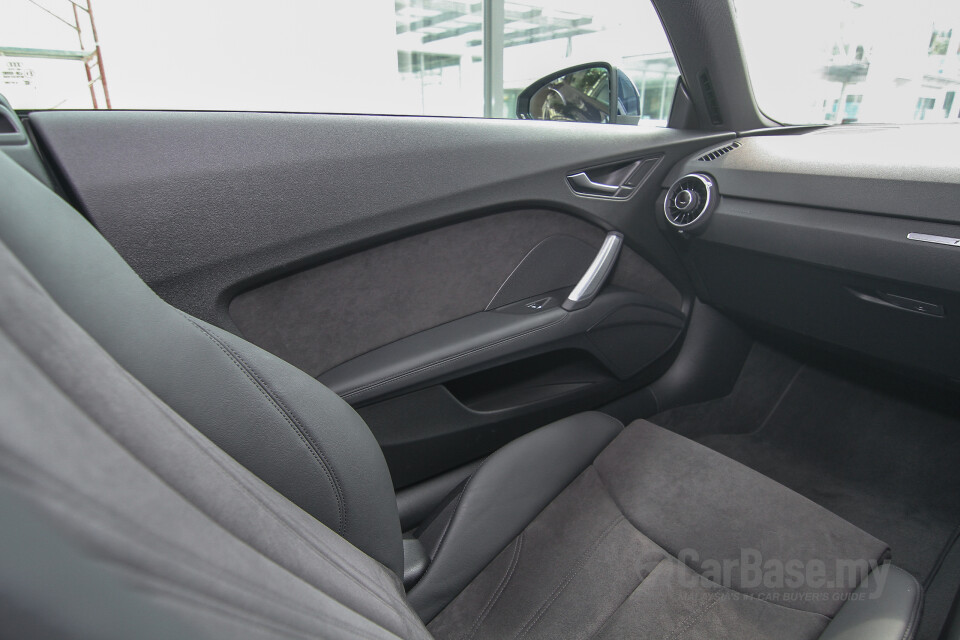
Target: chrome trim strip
{"x":596,"y":274}
{"x":925,"y":237}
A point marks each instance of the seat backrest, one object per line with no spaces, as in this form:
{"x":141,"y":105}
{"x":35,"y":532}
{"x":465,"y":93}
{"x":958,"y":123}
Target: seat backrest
{"x":274,"y":419}
{"x":191,"y":536}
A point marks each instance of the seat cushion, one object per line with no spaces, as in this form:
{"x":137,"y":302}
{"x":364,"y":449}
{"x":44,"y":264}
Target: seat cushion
{"x":662,"y":537}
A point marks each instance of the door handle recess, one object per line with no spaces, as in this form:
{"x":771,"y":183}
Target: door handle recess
{"x":584,"y":184}
{"x":597,"y":273}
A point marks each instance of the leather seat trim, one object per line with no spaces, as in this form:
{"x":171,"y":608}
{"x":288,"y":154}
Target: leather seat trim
{"x":162,"y":348}
{"x":498,"y":592}
{"x":885,"y":606}
{"x":500,"y":499}
{"x":290,"y":419}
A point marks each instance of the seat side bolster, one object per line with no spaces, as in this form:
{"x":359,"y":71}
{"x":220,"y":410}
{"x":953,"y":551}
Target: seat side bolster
{"x":315,"y":419}
{"x":886,"y":606}
{"x":268,"y":415}
{"x":501,"y":498}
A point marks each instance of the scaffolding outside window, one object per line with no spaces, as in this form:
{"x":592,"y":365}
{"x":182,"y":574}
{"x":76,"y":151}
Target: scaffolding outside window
{"x":77,"y":18}
{"x":421,"y":57}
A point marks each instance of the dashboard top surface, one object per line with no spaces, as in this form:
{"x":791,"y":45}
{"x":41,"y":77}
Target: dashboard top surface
{"x":910,"y":171}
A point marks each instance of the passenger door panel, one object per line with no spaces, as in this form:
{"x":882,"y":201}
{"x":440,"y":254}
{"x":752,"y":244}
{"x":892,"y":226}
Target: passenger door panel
{"x":394,"y":258}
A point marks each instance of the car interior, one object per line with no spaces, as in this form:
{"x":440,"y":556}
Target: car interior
{"x":291,"y":375}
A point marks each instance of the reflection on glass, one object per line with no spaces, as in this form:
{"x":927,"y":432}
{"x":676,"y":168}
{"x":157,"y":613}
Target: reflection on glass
{"x":440,"y":52}
{"x":581,"y":96}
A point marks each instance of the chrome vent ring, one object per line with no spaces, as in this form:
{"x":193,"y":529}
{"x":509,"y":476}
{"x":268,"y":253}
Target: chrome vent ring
{"x":690,"y":201}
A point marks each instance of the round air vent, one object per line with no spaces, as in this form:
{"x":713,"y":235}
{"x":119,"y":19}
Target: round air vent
{"x":690,"y":201}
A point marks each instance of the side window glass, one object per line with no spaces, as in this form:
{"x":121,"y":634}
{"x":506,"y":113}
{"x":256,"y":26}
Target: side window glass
{"x":421,"y":57}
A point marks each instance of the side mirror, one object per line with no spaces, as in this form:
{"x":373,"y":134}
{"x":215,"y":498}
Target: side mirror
{"x":582,"y":94}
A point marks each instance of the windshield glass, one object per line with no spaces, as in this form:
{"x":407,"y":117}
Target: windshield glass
{"x":846,"y":61}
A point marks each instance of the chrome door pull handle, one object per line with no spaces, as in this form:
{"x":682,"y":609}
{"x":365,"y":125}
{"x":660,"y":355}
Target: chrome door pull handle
{"x":597,"y":274}
{"x":582,"y":181}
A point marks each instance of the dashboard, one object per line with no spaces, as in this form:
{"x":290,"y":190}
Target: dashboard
{"x":846,"y":235}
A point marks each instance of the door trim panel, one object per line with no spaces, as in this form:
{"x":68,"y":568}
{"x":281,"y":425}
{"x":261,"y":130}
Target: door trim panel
{"x":205,"y":205}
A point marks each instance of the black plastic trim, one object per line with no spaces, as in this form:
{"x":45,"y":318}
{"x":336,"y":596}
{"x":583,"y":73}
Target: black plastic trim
{"x":480,"y":341}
